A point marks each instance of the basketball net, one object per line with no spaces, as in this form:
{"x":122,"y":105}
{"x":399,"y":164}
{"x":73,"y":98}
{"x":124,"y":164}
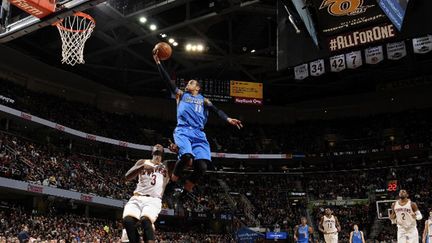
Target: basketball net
{"x":74,"y":32}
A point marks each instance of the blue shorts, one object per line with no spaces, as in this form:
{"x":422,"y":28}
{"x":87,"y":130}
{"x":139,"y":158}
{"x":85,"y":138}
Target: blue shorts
{"x":193,"y":141}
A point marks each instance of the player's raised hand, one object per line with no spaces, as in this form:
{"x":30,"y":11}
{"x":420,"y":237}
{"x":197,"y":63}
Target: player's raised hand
{"x":235,"y":122}
{"x":173,"y":147}
{"x":155,"y":56}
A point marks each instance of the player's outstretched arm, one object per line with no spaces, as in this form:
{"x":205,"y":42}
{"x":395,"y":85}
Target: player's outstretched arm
{"x":222,"y":115}
{"x":137,"y":168}
{"x":351,"y":235}
{"x":165,"y":76}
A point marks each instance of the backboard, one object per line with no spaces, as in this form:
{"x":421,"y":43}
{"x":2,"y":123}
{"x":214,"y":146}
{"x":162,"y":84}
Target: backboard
{"x":384,"y":208}
{"x":16,"y":22}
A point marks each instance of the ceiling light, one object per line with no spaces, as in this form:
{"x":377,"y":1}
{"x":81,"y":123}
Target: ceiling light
{"x":163,"y":35}
{"x":188,"y":47}
{"x":175,"y":44}
{"x":194,"y":48}
{"x":252,"y":51}
{"x":171,"y":40}
{"x":153,"y":27}
{"x":143,"y":19}
{"x":200,"y":47}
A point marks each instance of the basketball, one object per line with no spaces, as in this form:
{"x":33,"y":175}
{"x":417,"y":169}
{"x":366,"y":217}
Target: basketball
{"x":164,"y":49}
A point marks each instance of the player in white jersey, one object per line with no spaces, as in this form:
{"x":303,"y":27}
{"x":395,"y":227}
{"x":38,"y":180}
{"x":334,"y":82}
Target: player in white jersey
{"x":427,"y":232}
{"x":329,"y":226}
{"x":404,"y":214}
{"x":144,"y":206}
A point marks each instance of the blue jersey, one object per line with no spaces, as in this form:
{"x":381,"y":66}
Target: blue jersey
{"x":357,"y":237}
{"x":303,"y":234}
{"x":191,"y":111}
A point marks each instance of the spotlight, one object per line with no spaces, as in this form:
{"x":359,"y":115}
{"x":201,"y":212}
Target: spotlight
{"x":252,"y":51}
{"x":175,"y":44}
{"x":143,"y":19}
{"x":171,"y":40}
{"x":194,"y":48}
{"x":153,"y":27}
{"x":188,"y":47}
{"x":200,"y":47}
{"x":163,"y":35}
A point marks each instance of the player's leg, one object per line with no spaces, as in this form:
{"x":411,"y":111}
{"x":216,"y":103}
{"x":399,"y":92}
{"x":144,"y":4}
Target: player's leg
{"x":149,"y":214}
{"x":186,"y":156}
{"x":401,"y":236}
{"x":412,"y":236}
{"x":327,"y":238}
{"x":201,"y":150}
{"x":335,"y":238}
{"x":131,"y":215}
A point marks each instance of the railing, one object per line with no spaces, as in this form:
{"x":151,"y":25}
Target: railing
{"x":57,"y":192}
{"x":126,"y":144}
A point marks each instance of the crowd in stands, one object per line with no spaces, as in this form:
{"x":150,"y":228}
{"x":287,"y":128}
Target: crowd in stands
{"x":269,"y":197}
{"x":23,"y":160}
{"x":262,"y":200}
{"x":18,"y":224}
{"x":377,"y":131}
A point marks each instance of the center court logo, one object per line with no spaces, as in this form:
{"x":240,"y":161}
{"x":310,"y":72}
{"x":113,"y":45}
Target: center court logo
{"x":344,"y":7}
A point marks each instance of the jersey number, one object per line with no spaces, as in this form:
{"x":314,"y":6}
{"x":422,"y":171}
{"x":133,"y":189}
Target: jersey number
{"x":403,"y":216}
{"x":198,"y":108}
{"x":330,"y":225}
{"x":153,"y":181}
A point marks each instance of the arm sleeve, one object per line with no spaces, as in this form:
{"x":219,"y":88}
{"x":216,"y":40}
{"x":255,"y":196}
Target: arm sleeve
{"x":167,"y":79}
{"x":220,"y":113}
{"x":418,"y":214}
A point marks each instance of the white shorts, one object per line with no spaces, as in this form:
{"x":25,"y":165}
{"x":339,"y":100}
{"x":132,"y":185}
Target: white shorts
{"x":331,"y":238}
{"x":139,"y":206}
{"x":407,"y":235}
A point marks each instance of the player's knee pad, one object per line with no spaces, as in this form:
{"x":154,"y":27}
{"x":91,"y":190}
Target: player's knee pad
{"x":200,"y":167}
{"x":147,"y":227}
{"x":130,"y":221}
{"x":184,"y":160}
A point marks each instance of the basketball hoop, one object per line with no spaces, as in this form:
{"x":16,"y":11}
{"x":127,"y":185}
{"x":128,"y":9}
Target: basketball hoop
{"x":74,"y":31}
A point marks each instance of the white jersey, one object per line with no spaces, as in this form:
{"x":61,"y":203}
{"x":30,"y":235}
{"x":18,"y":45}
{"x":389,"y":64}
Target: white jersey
{"x":403,"y":215}
{"x":428,"y":224}
{"x":152,"y":184}
{"x":329,"y":224}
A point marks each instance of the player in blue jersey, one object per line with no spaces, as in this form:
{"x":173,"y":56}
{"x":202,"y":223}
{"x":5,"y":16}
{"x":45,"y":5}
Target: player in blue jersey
{"x":357,"y":236}
{"x":302,"y":232}
{"x":189,"y":136}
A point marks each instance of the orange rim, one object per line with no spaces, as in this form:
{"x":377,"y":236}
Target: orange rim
{"x":79,"y":14}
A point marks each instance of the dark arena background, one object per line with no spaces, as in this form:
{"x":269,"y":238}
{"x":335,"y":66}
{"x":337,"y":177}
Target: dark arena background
{"x":333,"y":101}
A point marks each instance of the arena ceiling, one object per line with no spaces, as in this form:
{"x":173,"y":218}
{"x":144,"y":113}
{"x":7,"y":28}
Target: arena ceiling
{"x":118,"y":54}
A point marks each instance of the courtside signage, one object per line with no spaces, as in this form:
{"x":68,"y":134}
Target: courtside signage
{"x":246,"y":89}
{"x":37,"y":8}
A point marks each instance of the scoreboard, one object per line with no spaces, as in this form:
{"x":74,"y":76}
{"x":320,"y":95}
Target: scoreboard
{"x":392,"y":185}
{"x":228,"y":91}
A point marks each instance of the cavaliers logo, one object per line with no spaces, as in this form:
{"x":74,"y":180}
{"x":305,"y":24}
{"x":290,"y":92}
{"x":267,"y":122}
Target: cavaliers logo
{"x":344,"y":7}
